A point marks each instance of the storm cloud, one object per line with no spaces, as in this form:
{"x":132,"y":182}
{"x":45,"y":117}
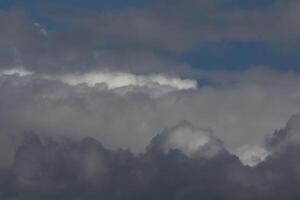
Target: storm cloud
{"x":120,"y":102}
{"x":62,"y":168}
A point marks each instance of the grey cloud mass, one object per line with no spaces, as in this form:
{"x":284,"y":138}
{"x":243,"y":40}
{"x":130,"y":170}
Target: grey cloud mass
{"x":240,"y":108}
{"x":60,"y":168}
{"x":101,"y":103}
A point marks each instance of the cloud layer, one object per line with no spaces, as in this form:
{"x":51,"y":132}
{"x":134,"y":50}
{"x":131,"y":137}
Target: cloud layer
{"x":241,"y":108}
{"x":140,"y":40}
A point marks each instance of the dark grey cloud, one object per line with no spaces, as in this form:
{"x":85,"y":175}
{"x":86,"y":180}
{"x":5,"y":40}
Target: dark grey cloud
{"x":62,"y":168}
{"x":179,"y":25}
{"x":140,"y":40}
{"x":27,"y":43}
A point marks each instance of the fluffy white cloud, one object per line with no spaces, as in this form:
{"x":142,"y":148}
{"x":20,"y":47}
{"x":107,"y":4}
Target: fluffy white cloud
{"x":252,"y":155}
{"x":193,"y":142}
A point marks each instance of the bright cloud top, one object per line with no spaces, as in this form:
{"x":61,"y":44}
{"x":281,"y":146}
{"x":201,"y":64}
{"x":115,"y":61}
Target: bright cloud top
{"x":252,"y":155}
{"x":120,"y":79}
{"x":191,"y":141}
{"x":16,"y":71}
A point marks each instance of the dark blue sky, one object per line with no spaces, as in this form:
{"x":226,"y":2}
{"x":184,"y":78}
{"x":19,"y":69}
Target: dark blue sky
{"x":238,"y":55}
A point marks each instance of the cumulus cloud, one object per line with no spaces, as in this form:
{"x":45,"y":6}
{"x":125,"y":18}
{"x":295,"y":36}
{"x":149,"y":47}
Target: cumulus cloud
{"x":252,"y":155}
{"x":191,"y":141}
{"x":288,"y":135}
{"x":63,"y":168}
{"x":59,"y":167}
{"x":241,"y":108}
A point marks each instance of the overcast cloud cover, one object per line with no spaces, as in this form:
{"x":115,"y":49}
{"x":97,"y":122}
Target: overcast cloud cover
{"x":120,"y":100}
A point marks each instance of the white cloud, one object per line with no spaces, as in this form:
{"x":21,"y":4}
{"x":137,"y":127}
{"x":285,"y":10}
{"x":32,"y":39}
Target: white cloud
{"x":252,"y":155}
{"x":121,"y":79}
{"x":191,"y":141}
{"x":16,"y":71}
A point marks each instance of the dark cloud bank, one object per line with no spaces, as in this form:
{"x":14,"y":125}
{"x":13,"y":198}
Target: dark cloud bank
{"x":61,"y":168}
{"x":139,"y":39}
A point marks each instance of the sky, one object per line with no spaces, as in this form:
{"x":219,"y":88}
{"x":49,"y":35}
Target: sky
{"x":149,"y":99}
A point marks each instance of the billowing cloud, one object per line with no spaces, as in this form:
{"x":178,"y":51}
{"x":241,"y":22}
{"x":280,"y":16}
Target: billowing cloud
{"x":252,"y":155}
{"x":61,"y":168}
{"x":288,"y":135}
{"x":240,"y":108}
{"x":191,"y":141}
